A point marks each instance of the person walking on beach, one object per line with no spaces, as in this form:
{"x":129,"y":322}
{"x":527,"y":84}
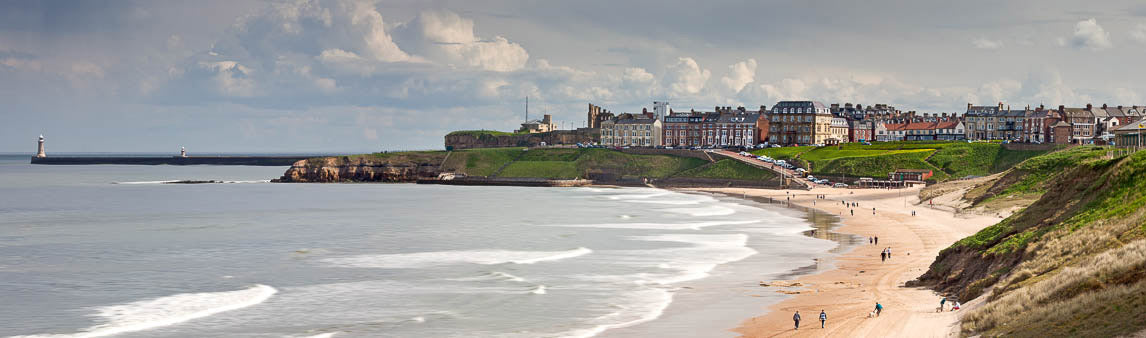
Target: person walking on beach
{"x":853,"y":211}
{"x":878,"y":308}
{"x":796,"y":318}
{"x":869,"y":240}
{"x":823,"y":318}
{"x":876,"y":240}
{"x":883,"y":256}
{"x":941,"y":302}
{"x":889,"y":252}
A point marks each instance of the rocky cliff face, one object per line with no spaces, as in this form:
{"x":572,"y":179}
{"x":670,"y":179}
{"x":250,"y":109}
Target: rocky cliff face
{"x":343,"y":169}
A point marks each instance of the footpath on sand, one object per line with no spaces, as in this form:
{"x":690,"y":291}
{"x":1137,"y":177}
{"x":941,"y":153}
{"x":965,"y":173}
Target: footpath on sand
{"x":849,"y":292}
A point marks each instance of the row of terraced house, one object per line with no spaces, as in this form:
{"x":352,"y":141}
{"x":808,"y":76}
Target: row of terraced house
{"x":812,"y":122}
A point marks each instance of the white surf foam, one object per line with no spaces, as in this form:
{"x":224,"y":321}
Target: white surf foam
{"x":248,"y":182}
{"x":715,"y":210}
{"x":698,"y":260}
{"x":539,"y":290}
{"x":657,"y":226}
{"x":165,"y":311}
{"x":146,"y":182}
{"x":495,"y":275}
{"x":439,"y":258}
{"x":640,"y":307}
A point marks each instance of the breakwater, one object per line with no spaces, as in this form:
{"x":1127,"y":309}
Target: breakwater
{"x":172,"y":160}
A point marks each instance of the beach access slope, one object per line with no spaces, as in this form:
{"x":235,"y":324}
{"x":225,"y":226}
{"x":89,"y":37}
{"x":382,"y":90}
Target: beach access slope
{"x":850,"y":291}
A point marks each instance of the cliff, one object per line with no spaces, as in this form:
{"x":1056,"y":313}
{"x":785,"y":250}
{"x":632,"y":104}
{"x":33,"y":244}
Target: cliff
{"x":1072,"y":263}
{"x":407,"y":167}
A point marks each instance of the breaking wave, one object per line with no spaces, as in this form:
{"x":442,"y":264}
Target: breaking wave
{"x":170,"y":310}
{"x":439,"y":258}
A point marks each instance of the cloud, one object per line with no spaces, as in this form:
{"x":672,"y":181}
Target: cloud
{"x":231,"y":78}
{"x":740,"y":74}
{"x":1088,"y":35}
{"x":984,"y":43}
{"x":686,"y":77}
{"x":448,"y":38}
{"x":1138,"y":33}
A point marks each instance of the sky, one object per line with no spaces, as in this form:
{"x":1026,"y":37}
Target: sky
{"x":360,"y":76}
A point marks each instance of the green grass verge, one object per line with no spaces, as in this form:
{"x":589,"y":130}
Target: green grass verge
{"x":729,"y":169}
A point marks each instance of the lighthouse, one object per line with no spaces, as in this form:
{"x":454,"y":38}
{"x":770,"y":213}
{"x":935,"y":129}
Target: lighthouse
{"x":40,"y":149}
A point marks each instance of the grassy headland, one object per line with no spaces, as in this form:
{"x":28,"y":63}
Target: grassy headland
{"x":1073,"y":263}
{"x":947,"y":160}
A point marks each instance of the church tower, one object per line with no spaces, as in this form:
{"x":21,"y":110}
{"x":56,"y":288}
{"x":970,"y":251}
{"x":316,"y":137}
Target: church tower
{"x":40,"y":150}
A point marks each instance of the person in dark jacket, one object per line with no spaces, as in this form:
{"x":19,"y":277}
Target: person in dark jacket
{"x":878,"y":309}
{"x":823,"y":318}
{"x":796,"y":318}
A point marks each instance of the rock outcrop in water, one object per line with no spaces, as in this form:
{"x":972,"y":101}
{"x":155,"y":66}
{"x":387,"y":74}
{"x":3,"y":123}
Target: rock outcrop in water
{"x":358,"y":169}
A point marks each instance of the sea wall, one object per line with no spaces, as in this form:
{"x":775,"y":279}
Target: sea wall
{"x":274,"y":161}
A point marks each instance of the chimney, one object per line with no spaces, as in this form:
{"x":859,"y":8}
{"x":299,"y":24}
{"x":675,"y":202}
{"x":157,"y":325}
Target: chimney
{"x":1061,"y":108}
{"x":968,"y":105}
{"x":1119,"y":107}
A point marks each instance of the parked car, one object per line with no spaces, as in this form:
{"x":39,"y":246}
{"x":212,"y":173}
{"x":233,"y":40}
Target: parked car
{"x":839,"y":185}
{"x":775,"y":146}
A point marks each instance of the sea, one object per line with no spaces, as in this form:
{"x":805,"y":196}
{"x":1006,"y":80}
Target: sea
{"x":108,"y":250}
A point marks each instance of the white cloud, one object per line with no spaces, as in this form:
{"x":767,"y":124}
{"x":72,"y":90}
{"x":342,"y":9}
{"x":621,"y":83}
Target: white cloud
{"x":1138,"y":33}
{"x":787,"y":89}
{"x":740,"y":74}
{"x":1088,"y":35}
{"x":637,"y":75}
{"x":366,"y":19}
{"x":231,"y":78}
{"x":984,"y":43}
{"x":448,"y":38}
{"x":686,"y":77}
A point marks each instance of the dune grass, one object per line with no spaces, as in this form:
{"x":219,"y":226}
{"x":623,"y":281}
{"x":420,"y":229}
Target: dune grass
{"x":1071,"y":264}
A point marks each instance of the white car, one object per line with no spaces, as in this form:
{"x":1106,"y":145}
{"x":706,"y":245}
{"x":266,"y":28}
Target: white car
{"x":839,"y":185}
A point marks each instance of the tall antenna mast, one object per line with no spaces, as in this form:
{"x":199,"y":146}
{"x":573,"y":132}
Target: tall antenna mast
{"x":526,"y":109}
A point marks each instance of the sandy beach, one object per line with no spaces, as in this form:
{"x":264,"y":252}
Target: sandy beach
{"x":849,"y":292}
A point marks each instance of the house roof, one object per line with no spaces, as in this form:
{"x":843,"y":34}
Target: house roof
{"x":949,"y":124}
{"x":1061,"y":124}
{"x":894,"y":126}
{"x":919,"y":126}
{"x":799,"y":104}
{"x":1133,"y":126}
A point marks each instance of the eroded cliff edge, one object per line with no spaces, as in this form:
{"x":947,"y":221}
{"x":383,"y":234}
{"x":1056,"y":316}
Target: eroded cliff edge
{"x":363,"y":169}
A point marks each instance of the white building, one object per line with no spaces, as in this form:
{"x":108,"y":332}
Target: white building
{"x":631,"y":130}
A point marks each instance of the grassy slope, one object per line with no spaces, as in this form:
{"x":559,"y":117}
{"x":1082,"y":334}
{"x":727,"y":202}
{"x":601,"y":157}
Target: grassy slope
{"x":728,"y":169}
{"x":950,"y":160}
{"x":572,"y":163}
{"x":1071,"y":264}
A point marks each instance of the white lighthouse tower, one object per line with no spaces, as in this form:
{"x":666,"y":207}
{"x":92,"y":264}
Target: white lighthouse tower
{"x":40,"y":149}
{"x":182,"y":151}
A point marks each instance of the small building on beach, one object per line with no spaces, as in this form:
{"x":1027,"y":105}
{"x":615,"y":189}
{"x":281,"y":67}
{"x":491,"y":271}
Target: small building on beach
{"x":910,"y":175}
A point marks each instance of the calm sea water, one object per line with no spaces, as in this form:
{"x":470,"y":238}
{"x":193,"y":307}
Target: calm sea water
{"x":89,"y":251}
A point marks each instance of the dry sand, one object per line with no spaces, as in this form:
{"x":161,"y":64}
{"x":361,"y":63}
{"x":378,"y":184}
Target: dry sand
{"x":849,"y":292}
